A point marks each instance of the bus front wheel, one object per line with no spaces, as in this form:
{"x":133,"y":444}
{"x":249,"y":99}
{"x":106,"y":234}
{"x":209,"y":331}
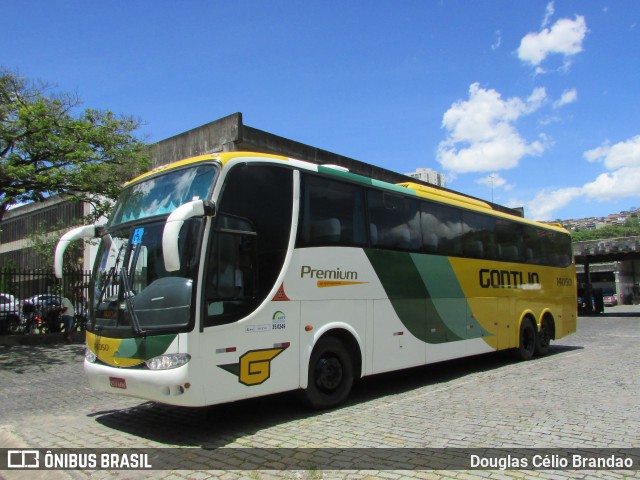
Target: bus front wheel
{"x":330,"y":374}
{"x":527,"y":343}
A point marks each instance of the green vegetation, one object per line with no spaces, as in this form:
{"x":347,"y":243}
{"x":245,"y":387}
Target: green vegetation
{"x":48,"y":146}
{"x":631,"y":228}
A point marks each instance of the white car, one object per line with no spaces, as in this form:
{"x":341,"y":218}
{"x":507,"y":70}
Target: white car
{"x":9,"y":311}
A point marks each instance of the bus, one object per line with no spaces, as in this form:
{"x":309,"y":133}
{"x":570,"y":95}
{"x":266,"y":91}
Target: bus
{"x":234,"y":275}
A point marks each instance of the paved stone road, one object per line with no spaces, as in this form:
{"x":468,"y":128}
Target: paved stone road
{"x":586,"y":393}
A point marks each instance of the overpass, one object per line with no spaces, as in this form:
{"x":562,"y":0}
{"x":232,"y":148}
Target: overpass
{"x":606,"y":250}
{"x":625,"y":250}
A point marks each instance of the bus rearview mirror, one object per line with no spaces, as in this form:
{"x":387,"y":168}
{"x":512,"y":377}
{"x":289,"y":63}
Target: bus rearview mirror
{"x":171,"y":232}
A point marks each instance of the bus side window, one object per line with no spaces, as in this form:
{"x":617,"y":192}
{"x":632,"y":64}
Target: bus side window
{"x":229,"y":281}
{"x":332,"y":213}
{"x":396,"y":220}
{"x":478,"y":236}
{"x":441,"y":229}
{"x":510,"y":241}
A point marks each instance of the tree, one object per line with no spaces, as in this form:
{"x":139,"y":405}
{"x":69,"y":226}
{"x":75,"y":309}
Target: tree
{"x":42,"y":242}
{"x":49,"y":147}
{"x":630,"y":229}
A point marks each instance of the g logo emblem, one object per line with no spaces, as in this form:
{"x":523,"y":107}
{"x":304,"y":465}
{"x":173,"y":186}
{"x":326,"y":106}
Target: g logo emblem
{"x":255,"y":366}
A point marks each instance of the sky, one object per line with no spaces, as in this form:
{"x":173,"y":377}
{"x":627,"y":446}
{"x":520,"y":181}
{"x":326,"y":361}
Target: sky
{"x":524,"y":103}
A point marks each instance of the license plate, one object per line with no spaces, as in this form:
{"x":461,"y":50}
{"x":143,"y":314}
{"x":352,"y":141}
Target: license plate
{"x":116,"y":382}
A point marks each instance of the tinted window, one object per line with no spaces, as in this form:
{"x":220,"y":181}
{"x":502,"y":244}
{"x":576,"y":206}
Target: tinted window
{"x":394,"y":221}
{"x":478,"y":235}
{"x":249,"y":240}
{"x":509,"y":237}
{"x":332,"y":213}
{"x":441,"y":229}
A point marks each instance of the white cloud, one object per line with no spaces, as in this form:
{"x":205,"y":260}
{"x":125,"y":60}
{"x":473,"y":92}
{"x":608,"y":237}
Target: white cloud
{"x":498,"y":41}
{"x":565,"y":37}
{"x":622,"y":154}
{"x":495,"y":181}
{"x":568,"y":96}
{"x":621,"y":181}
{"x":547,"y":202}
{"x":492,"y":180}
{"x":481,"y":134}
{"x":548,"y":13}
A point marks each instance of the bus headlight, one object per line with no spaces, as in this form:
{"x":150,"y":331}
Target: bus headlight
{"x":167,"y":361}
{"x":89,"y":356}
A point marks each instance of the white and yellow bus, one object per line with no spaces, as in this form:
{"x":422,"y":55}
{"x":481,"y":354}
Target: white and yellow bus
{"x":235,"y":275}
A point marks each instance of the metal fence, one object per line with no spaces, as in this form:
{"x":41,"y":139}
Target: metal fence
{"x":24,"y":284}
{"x":28,"y":300}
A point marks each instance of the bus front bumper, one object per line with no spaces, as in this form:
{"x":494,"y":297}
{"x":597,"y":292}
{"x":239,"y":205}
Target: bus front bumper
{"x":166,"y":386}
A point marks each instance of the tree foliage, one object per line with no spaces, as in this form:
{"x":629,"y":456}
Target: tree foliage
{"x":631,"y":228}
{"x":49,"y":146}
{"x":42,"y":242}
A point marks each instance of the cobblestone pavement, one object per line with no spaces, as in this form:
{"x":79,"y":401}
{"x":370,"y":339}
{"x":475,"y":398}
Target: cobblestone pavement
{"x":584,"y":394}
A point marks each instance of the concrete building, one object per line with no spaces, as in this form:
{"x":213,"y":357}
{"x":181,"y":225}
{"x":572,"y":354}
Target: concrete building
{"x":428,"y":175}
{"x":53,"y":215}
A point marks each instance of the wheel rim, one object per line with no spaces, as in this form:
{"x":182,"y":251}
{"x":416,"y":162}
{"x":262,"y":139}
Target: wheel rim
{"x":328,"y":373}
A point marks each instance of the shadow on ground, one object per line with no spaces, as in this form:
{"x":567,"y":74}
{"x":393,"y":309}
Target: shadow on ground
{"x":26,"y":359}
{"x":220,"y":425}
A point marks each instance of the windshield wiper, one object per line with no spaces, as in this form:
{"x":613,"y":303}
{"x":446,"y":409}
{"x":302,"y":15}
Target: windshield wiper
{"x":112,"y":272}
{"x":128,"y":295}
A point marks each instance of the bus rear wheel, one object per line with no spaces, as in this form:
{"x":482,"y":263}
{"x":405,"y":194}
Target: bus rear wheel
{"x":544,"y":338}
{"x":330,"y":374}
{"x":527,"y":343}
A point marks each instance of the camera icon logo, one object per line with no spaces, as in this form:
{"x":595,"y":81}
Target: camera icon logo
{"x":23,"y":459}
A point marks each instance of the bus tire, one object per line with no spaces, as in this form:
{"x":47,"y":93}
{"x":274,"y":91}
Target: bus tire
{"x":527,"y":342}
{"x":330,"y":374}
{"x":543,"y":339}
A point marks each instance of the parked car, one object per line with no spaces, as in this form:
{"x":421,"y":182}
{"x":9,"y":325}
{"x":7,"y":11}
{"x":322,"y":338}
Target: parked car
{"x":609,"y":299}
{"x":42,"y":299}
{"x":10,"y":312}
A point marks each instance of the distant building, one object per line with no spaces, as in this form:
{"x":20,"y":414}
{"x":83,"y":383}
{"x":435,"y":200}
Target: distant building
{"x":594,"y":223}
{"x":428,"y":175}
{"x":53,"y":214}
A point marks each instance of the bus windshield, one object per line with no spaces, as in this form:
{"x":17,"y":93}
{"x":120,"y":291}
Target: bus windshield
{"x":161,"y":195}
{"x":133,"y":292}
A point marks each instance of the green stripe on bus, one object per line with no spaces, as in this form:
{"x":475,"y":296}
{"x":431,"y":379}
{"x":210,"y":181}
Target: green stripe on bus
{"x":410,"y":296}
{"x":354,"y":177}
{"x":447,"y":295}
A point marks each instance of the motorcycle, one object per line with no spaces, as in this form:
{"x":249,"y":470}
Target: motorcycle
{"x":34,"y":321}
